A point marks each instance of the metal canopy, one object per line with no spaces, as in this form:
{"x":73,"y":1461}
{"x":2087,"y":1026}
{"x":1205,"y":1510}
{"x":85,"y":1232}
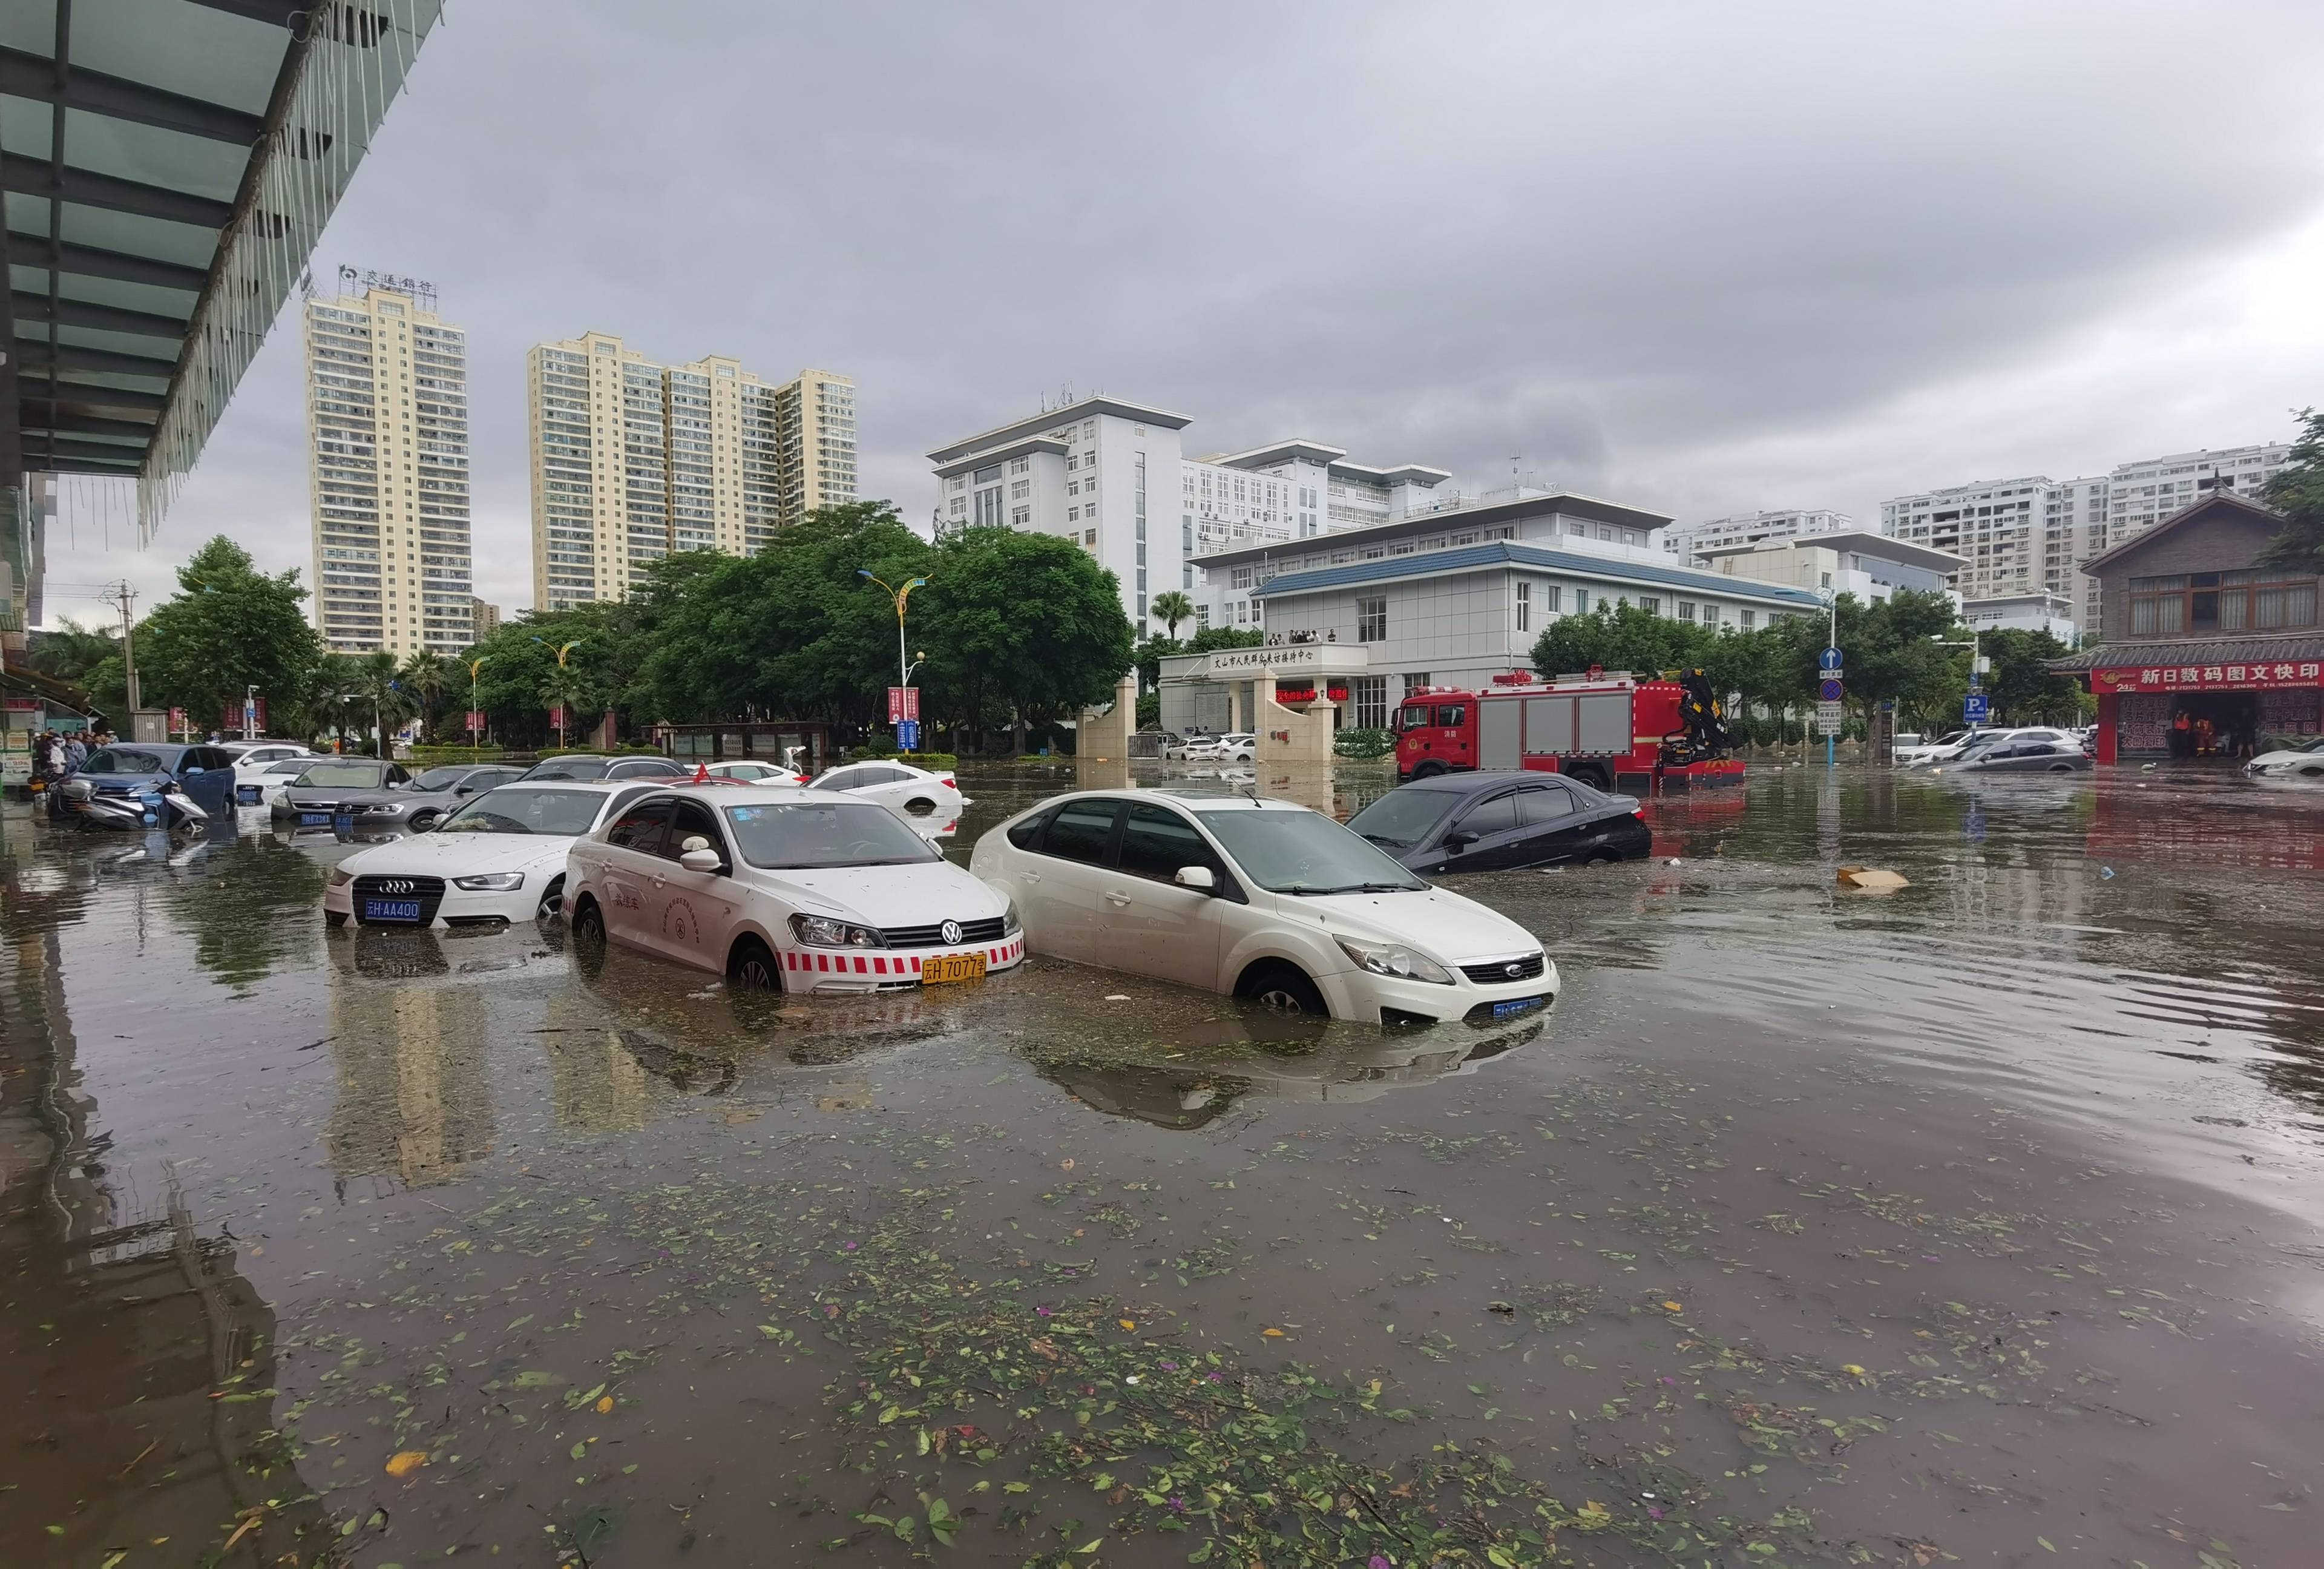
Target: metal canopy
{"x":166,"y":166}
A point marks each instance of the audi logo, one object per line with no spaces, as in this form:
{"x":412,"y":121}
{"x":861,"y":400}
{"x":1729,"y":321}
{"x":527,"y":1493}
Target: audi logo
{"x":949,"y":931}
{"x":396,"y":885}
{"x":1513,"y":970}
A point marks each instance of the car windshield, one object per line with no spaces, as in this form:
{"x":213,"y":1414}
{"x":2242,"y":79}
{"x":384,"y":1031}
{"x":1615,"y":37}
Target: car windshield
{"x":362,"y":775}
{"x":292,"y":765}
{"x":124,"y":760}
{"x":799,"y":836}
{"x":1295,"y":851}
{"x":1403,"y":817}
{"x":527,"y":811}
{"x":441,"y":778}
{"x":571,"y":768}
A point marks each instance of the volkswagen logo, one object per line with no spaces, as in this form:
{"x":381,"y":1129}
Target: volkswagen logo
{"x":1513,"y":970}
{"x":949,"y":931}
{"x":396,"y":885}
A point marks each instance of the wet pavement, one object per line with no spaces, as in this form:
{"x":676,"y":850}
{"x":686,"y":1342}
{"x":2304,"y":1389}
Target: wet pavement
{"x":1974,"y":1221}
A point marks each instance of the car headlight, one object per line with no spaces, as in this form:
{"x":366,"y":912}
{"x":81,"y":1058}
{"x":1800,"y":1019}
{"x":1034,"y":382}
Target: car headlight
{"x":493,"y":882}
{"x":1009,"y":920}
{"x":1396,"y":960}
{"x":341,"y":877}
{"x":388,"y":809}
{"x":818,"y":931}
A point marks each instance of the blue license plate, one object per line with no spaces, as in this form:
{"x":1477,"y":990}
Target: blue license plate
{"x":245,"y":795}
{"x":342,"y":824}
{"x":390,"y":910}
{"x":1511,"y":1009}
{"x":314,"y":819}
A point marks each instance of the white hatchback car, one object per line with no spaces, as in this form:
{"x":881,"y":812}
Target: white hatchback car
{"x":1258,"y":898}
{"x":930,"y":802}
{"x":787,"y":890}
{"x":501,"y":857}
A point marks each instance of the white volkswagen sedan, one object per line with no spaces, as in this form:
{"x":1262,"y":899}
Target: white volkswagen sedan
{"x":787,"y":890}
{"x":1258,"y":898}
{"x":501,"y":857}
{"x":930,"y":802}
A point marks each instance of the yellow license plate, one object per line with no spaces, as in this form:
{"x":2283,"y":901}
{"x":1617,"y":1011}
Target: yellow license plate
{"x":952,"y":968}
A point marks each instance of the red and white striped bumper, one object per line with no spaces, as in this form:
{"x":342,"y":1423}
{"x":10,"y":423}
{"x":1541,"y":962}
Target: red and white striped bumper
{"x":821,"y":969}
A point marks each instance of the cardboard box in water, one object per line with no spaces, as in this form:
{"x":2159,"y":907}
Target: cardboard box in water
{"x":1870,"y":878}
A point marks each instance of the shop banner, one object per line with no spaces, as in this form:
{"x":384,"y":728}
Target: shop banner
{"x":2246,"y":678}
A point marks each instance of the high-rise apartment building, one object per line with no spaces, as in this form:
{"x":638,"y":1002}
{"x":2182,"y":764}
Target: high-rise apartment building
{"x":1688,"y":540}
{"x":632,"y":459}
{"x":486,"y":621}
{"x":2030,"y":535}
{"x":387,"y":416}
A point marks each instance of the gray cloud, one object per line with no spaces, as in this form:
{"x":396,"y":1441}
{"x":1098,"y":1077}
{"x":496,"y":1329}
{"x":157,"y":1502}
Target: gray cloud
{"x":1703,"y":257}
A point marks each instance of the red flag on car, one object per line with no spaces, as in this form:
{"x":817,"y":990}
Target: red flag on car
{"x":701,"y":773}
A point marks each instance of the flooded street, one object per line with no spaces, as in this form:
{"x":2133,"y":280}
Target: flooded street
{"x":1974,"y":1221}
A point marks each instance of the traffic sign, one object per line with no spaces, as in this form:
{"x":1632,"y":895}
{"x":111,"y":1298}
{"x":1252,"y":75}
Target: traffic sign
{"x":1829,"y":660}
{"x":1827,"y":690}
{"x":1976,"y":709}
{"x":1829,"y":717}
{"x":903,"y":702}
{"x":907,"y":735}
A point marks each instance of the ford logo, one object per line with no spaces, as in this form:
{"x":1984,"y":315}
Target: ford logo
{"x":403,"y":885}
{"x":1513,"y":970}
{"x":949,"y":931}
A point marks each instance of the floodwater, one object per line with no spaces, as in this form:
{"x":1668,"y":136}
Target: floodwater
{"x":1973,"y":1221}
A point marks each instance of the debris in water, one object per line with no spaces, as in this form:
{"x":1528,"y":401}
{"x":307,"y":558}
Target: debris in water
{"x":1870,"y":878}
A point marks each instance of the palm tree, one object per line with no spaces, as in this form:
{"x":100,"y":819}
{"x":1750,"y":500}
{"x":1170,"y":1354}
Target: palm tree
{"x":332,"y":701}
{"x":1173,"y":607}
{"x":561,"y":687}
{"x":72,"y":651}
{"x":388,"y":700}
{"x":427,"y":673}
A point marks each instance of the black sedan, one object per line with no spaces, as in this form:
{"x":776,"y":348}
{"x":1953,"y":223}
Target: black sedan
{"x":325,"y":795}
{"x":1483,"y":822}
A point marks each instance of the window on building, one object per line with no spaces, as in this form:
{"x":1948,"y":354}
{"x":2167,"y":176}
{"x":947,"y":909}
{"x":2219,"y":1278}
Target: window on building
{"x":1414,"y":681}
{"x":1020,"y":465}
{"x":1371,"y":619}
{"x":1686,"y":610}
{"x":1581,"y":601}
{"x":1650,"y":604}
{"x":1019,"y":516}
{"x":1524,"y":606}
{"x":1369,"y":695}
{"x":1089,"y":538}
{"x":2258,"y":599}
{"x":1750,"y":619}
{"x":1202,"y":616}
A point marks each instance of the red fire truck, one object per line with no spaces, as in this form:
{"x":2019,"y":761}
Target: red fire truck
{"x":1608,"y":728}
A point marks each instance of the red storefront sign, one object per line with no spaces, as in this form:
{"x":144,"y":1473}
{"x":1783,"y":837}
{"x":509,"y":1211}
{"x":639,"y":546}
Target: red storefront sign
{"x":2244,"y":677}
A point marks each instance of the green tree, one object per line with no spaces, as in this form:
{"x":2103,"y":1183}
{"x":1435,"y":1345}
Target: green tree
{"x":1223,"y":637}
{"x":1620,"y":638}
{"x":71,"y":652}
{"x":1022,"y":622}
{"x":2024,"y":690}
{"x":1171,"y":607}
{"x":2297,"y":492}
{"x":228,"y":627}
{"x":333,"y":703}
{"x":382,"y":699}
{"x":426,"y":675}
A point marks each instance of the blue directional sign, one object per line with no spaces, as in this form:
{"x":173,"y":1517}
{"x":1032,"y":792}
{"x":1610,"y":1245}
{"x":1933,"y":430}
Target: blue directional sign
{"x":1975,"y":708}
{"x":1829,"y":659}
{"x":907,"y":735}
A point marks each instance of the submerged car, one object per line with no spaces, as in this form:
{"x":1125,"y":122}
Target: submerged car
{"x":140,"y":769}
{"x":326,"y":792}
{"x":2026,"y":752}
{"x":787,"y":890}
{"x":421,"y":804}
{"x":1258,"y":898}
{"x":501,"y":857}
{"x":1484,"y":822}
{"x":2303,"y":762}
{"x":597,"y":765}
{"x":931,"y":802}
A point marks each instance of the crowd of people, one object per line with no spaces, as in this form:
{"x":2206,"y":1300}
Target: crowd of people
{"x":55,"y":754}
{"x":2198,"y":737}
{"x":1276,"y":640}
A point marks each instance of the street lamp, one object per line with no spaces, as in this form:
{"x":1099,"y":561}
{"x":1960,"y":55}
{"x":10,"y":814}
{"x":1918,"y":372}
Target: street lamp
{"x":903,"y":671}
{"x":474,"y":665}
{"x":561,"y":695}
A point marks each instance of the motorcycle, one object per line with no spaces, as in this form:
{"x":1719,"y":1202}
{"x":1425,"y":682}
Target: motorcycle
{"x":170,"y":809}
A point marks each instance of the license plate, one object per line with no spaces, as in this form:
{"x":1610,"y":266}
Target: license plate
{"x":390,"y":910}
{"x":314,"y":819}
{"x":952,"y":968}
{"x":246,"y":795}
{"x":1511,"y":1009}
{"x":342,"y":824}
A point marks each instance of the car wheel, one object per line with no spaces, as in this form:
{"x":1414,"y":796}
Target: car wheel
{"x":332,"y":917}
{"x":1429,"y":769}
{"x":2062,"y":768}
{"x":552,"y":899}
{"x":1283,"y":989}
{"x":588,"y":924}
{"x":919,"y":806}
{"x":1594,"y":775}
{"x":422,"y":821}
{"x":751,"y":966}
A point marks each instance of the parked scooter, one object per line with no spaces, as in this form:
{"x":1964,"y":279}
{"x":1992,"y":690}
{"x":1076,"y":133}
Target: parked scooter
{"x":172,"y":810}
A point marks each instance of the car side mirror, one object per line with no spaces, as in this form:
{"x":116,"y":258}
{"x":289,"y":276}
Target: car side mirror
{"x":1460,"y":839}
{"x":191,"y":771}
{"x":1197,"y":877}
{"x":704,"y":860}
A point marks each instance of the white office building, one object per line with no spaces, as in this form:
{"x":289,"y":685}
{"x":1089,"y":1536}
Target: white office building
{"x":1871,"y":566}
{"x":2029,"y":535}
{"x":1457,"y":596}
{"x":2050,"y":613}
{"x":1103,"y":472}
{"x":1688,"y":541}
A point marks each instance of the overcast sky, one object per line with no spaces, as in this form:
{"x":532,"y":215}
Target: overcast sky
{"x":1702,"y":258}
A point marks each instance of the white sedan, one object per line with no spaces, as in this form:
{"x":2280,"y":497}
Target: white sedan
{"x":499,"y":858}
{"x":266,"y":786}
{"x":1258,"y":898}
{"x":754,"y":772}
{"x":930,"y":802}
{"x":253,"y":759}
{"x":1237,"y":747}
{"x":787,"y":890}
{"x":2305,"y":761}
